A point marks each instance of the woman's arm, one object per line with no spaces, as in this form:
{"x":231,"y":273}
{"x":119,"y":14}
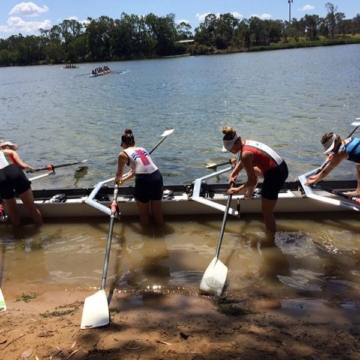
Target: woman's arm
{"x":122,"y":161}
{"x":335,"y":160}
{"x":18,"y":160}
{"x":247,"y":164}
{"x":235,"y":172}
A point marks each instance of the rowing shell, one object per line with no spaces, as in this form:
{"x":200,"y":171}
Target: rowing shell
{"x":181,"y":200}
{"x":100,"y":73}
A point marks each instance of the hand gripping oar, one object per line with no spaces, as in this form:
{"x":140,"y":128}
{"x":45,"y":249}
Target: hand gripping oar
{"x":53,"y":167}
{"x":338,"y":193}
{"x":214,"y":278}
{"x":96,"y":307}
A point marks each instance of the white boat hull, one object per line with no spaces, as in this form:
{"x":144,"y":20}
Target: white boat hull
{"x":179,"y":203}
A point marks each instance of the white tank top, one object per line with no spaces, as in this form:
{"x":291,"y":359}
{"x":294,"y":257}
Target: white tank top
{"x":140,"y":160}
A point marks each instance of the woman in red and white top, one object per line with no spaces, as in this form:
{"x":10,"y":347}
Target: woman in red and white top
{"x":258,"y":160}
{"x":148,"y":178}
{"x":13,"y":179}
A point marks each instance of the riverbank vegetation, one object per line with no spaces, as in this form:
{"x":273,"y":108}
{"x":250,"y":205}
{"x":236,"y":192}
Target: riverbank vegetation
{"x":145,"y":37}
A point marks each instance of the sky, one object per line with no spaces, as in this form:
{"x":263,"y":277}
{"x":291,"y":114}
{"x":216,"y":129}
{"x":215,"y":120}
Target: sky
{"x":27,"y":17}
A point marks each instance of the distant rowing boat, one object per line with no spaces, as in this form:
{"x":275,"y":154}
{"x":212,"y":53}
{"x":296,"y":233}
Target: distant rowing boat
{"x":70,"y":67}
{"x":104,"y":72}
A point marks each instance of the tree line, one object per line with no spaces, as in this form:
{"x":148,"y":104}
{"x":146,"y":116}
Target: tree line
{"x":143,"y":37}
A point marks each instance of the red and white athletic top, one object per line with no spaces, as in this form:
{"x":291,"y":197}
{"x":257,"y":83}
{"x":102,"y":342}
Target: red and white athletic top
{"x":140,"y":160}
{"x":265,"y":158}
{"x":6,"y":159}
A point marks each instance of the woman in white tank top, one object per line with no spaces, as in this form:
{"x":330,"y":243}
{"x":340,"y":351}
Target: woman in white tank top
{"x":148,"y":179}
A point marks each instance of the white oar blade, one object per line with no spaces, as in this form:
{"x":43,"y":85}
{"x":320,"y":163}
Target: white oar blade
{"x":96,"y":311}
{"x":167,"y":132}
{"x":356,"y":122}
{"x":214,"y":278}
{"x":2,"y":302}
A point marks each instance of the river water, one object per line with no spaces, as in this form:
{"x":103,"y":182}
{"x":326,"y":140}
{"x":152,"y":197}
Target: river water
{"x":286,"y":99}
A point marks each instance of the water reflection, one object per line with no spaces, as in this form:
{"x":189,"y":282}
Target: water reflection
{"x":80,"y":173}
{"x":145,"y":260}
{"x":316,"y":265}
{"x":22,"y":254}
{"x":304,"y":263}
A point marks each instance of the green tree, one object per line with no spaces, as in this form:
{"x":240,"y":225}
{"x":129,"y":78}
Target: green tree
{"x":330,"y":17}
{"x":183,"y":31}
{"x":163,"y":31}
{"x":311,"y":26}
{"x":224,"y":30}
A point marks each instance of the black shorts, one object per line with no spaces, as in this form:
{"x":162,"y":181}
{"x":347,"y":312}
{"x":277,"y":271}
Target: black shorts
{"x":13,"y":178}
{"x":149,"y":187}
{"x":274,"y":179}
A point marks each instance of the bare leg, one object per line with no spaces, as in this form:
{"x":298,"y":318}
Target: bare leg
{"x":28,"y":199}
{"x":157,"y":212}
{"x":268,"y":215}
{"x":357,"y":191}
{"x":12,"y":211}
{"x":144,"y":213}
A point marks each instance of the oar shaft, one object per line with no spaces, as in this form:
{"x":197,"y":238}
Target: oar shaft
{"x":356,"y":122}
{"x":339,"y":193}
{"x":52,"y":167}
{"x":109,"y":239}
{"x":214,"y":166}
{"x":228,"y":203}
{"x":165,"y":134}
{"x":221,"y":235}
{"x":155,"y":147}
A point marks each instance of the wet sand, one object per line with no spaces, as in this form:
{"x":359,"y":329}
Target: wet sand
{"x":150,"y":325}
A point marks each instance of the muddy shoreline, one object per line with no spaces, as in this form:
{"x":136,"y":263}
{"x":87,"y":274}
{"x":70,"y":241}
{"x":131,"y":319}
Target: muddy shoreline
{"x":151,"y":325}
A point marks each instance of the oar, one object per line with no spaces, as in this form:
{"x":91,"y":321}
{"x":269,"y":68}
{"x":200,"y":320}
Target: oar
{"x":41,"y":176}
{"x":164,"y":135}
{"x":338,"y":193}
{"x":2,"y":300}
{"x":96,"y":307}
{"x":214,"y":278}
{"x":214,"y":166}
{"x":53,"y":167}
{"x":355,"y":123}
